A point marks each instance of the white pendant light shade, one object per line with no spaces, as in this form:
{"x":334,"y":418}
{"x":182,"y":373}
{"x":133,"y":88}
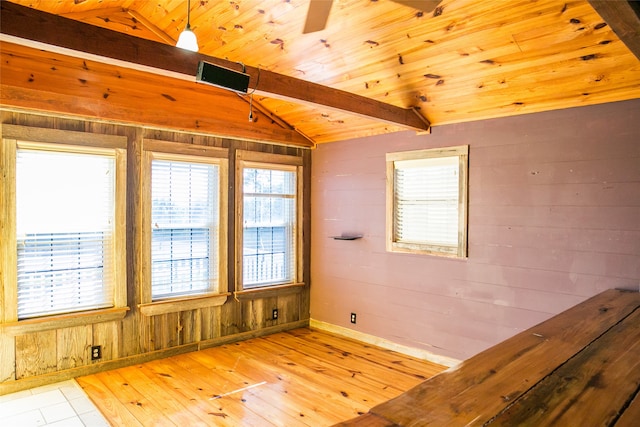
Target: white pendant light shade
{"x":187,"y":40}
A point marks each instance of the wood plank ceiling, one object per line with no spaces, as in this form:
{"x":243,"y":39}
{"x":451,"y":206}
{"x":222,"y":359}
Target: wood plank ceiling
{"x":468,"y":60}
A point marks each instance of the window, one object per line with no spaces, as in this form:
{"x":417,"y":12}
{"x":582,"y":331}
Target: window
{"x":68,"y":214}
{"x":185,"y":210}
{"x":427,"y":201}
{"x":184,"y":217}
{"x":268,"y":205}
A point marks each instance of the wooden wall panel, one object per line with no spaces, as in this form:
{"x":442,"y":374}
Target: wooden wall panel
{"x":36,"y":354}
{"x":554,"y":202}
{"x":209,"y":322}
{"x":232,"y":315}
{"x":257,"y":313}
{"x":289,"y":307}
{"x":190,"y":327}
{"x":73,"y":347}
{"x":107,"y":335}
{"x":8,"y":357}
{"x":171,"y":328}
{"x":41,"y":357}
{"x":157,"y":338}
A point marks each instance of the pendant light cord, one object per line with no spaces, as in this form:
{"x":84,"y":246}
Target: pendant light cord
{"x":188,"y":14}
{"x":251,"y":94}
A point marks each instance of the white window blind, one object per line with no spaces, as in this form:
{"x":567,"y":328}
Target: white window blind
{"x":269,"y":213}
{"x":426,"y":201}
{"x":65,"y":226}
{"x":184,"y":228}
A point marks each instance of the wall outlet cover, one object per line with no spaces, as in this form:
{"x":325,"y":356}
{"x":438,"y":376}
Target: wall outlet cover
{"x":96,"y":352}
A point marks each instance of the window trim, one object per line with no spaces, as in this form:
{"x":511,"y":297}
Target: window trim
{"x":260,"y":160}
{"x":14,"y":137}
{"x":174,"y":151}
{"x":59,"y":321}
{"x":462,"y":152}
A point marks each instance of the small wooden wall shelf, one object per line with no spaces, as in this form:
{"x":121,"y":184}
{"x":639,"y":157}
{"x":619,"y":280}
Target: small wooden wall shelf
{"x":347,"y":237}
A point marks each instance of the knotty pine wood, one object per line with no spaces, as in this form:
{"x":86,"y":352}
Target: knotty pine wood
{"x":89,"y":88}
{"x":472,"y":60}
{"x":297,"y":378}
{"x":579,"y":367}
{"x":139,"y":53}
{"x":127,"y":21}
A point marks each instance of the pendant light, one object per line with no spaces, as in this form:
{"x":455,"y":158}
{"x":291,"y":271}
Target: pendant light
{"x":187,"y":39}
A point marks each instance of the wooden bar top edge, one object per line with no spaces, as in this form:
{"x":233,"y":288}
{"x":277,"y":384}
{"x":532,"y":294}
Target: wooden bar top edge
{"x":479,"y":388}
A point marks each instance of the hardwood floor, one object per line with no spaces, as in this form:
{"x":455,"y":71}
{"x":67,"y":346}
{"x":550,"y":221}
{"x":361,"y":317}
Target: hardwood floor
{"x":298,"y":378}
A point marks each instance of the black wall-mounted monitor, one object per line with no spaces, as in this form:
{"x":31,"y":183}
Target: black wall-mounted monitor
{"x":222,"y":77}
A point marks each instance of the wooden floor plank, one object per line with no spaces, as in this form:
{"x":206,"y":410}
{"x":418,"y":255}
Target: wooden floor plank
{"x":354,"y":355}
{"x":271,"y":393}
{"x":110,"y":405}
{"x":308,"y":384}
{"x":299,"y":379}
{"x":334,"y":384}
{"x":373,"y":376}
{"x":303,"y":378}
{"x":233,"y":389}
{"x":135,"y":402}
{"x":153,"y":395}
{"x":193,"y":394}
{"x":407,"y":364}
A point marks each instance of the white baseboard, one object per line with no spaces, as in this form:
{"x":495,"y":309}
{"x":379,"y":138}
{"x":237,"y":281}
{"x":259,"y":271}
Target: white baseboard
{"x":383,"y":343}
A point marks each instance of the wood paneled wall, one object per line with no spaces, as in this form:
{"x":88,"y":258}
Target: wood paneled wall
{"x":36,"y":358}
{"x":554,"y":218}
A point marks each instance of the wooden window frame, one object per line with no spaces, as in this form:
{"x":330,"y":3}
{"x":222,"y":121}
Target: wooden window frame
{"x":254,"y":159}
{"x":167,"y":150}
{"x":13,"y":137}
{"x":392,"y":245}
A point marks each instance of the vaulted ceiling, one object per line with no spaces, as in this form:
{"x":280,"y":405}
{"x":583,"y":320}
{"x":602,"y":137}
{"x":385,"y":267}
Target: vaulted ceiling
{"x":466,"y":60}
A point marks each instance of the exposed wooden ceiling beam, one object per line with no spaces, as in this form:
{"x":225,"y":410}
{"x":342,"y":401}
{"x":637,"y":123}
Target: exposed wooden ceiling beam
{"x":44,"y":81}
{"x":30,"y":24}
{"x":624,"y":19}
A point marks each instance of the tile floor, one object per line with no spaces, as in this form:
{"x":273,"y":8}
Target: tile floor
{"x":61,"y":405}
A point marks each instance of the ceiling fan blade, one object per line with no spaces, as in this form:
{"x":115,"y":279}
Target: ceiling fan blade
{"x":317,"y":15}
{"x":423,"y":5}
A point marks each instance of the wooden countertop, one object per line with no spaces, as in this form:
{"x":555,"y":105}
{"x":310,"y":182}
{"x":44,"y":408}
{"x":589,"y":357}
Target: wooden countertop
{"x":581,"y":367}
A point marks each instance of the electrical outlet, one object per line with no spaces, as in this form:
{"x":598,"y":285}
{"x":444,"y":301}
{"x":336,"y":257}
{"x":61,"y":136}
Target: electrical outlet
{"x":274,"y":314}
{"x":96,"y":352}
{"x":353,"y":318}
